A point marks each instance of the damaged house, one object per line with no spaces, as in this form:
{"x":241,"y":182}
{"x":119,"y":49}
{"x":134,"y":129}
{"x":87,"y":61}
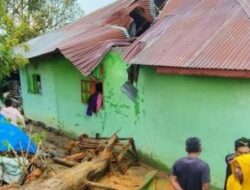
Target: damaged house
{"x":194,"y":80}
{"x":69,"y":64}
{"x":188,"y":76}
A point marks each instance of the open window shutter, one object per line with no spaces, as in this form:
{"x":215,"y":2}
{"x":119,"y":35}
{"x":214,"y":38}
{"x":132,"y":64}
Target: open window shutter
{"x":84,"y":91}
{"x":35,"y":87}
{"x":31,"y":88}
{"x":92,"y":89}
{"x":87,"y":88}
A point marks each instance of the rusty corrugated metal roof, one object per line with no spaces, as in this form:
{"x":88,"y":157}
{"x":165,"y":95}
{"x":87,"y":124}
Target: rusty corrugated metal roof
{"x":86,"y":41}
{"x":196,"y":34}
{"x":245,"y":4}
{"x":88,"y":51}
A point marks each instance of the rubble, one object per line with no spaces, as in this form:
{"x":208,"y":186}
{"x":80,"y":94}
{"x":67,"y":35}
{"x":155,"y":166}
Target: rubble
{"x":79,"y":163}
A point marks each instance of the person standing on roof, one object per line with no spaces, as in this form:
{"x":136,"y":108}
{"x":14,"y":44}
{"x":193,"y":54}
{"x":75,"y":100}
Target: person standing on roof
{"x":12,"y":114}
{"x":191,"y":173}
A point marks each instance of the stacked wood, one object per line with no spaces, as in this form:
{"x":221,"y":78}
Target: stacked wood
{"x":79,"y":176}
{"x":95,"y":143}
{"x":14,"y":89}
{"x":76,"y":157}
{"x":122,"y":147}
{"x":99,"y":155}
{"x":14,"y":94}
{"x":64,"y":162}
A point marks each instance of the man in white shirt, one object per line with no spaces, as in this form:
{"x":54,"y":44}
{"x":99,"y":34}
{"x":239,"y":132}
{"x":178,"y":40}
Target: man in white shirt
{"x":12,"y":114}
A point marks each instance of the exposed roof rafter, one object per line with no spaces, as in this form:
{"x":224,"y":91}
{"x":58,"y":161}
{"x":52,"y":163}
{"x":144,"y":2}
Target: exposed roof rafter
{"x":245,"y":4}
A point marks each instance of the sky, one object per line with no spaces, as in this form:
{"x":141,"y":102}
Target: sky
{"x":91,"y":5}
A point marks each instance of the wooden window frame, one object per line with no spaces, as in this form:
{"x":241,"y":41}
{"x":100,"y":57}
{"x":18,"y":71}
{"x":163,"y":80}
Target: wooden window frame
{"x":86,"y":89}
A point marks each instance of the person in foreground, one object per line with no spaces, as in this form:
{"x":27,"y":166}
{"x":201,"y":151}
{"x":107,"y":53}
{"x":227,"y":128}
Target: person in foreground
{"x":240,"y":178}
{"x":12,"y":114}
{"x":190,"y":172}
{"x":241,"y":146}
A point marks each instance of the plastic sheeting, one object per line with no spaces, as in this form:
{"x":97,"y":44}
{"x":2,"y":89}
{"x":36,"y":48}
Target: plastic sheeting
{"x":2,"y":118}
{"x":10,"y":169}
{"x":11,"y":137}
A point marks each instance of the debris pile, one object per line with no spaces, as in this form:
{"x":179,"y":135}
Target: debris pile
{"x":85,"y":161}
{"x":123,"y":153}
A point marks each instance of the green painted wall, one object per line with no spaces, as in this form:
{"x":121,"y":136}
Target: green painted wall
{"x":173,"y":108}
{"x":40,"y":107}
{"x":61,"y":89}
{"x":169,"y":109}
{"x":71,"y":111}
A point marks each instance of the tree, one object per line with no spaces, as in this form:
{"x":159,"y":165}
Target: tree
{"x":21,"y":20}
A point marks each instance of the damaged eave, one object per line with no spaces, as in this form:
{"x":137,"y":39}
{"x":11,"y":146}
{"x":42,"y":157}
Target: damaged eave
{"x":87,"y":41}
{"x":200,"y":38}
{"x":89,"y":50}
{"x":245,"y":4}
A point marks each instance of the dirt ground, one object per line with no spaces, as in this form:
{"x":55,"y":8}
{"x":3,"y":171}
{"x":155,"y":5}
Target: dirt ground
{"x":57,"y":144}
{"x":134,"y":178}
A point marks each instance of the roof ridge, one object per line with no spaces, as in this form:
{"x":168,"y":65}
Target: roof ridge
{"x":245,"y":4}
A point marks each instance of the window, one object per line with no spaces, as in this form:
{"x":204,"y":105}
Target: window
{"x":140,"y":23}
{"x":34,"y":84}
{"x":93,"y":84}
{"x":89,"y":87}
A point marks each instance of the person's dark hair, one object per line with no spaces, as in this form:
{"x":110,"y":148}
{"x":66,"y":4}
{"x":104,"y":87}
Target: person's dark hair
{"x":8,"y":102}
{"x":193,"y":145}
{"x":98,"y":87}
{"x":241,"y":142}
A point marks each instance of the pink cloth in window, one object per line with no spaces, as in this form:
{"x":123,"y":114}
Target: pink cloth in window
{"x":99,"y":102}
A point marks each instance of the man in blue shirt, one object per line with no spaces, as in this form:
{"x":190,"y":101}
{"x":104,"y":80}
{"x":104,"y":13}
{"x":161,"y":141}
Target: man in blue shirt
{"x":191,"y":173}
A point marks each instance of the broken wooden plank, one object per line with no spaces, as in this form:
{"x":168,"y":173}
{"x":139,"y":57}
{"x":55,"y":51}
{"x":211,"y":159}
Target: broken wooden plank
{"x":78,"y":177}
{"x":148,"y":179}
{"x":76,"y":157}
{"x":64,"y":162}
{"x":123,"y":152}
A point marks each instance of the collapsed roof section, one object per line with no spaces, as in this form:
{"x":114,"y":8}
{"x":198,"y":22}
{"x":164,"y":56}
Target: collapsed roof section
{"x":87,"y":41}
{"x":203,"y":37}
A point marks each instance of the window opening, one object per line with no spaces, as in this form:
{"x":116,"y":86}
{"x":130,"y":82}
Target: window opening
{"x":141,"y":25}
{"x":94,"y":97}
{"x":34,"y":84}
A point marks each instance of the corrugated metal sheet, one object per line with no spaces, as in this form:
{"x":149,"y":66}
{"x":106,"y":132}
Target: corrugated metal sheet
{"x":120,"y":17}
{"x":87,"y":52}
{"x":196,"y":34}
{"x":245,"y":4}
{"x":86,"y":41}
{"x":174,"y":7}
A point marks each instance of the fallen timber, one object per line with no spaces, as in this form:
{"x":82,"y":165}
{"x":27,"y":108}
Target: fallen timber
{"x":79,"y":176}
{"x":105,"y":151}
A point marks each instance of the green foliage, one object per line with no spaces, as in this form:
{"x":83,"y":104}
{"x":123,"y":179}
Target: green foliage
{"x":21,"y":20}
{"x":7,"y":145}
{"x":39,"y":137}
{"x":9,"y":62}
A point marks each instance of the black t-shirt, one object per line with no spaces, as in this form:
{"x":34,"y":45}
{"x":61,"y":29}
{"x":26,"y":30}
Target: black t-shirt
{"x":191,"y":173}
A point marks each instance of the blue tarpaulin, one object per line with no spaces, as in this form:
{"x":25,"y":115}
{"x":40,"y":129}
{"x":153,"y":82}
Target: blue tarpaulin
{"x":2,"y":118}
{"x":14,"y":137}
